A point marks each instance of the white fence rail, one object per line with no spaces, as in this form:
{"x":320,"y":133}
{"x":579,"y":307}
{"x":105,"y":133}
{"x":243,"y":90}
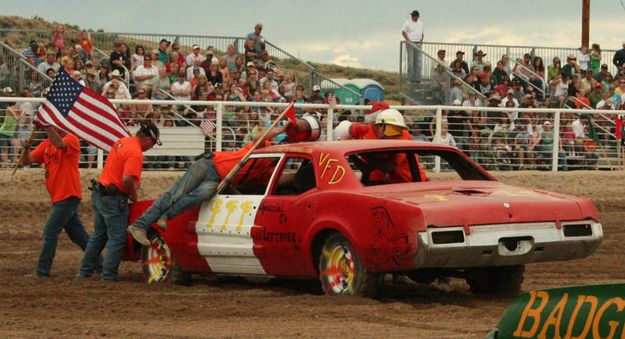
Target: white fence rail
{"x":528,"y":141}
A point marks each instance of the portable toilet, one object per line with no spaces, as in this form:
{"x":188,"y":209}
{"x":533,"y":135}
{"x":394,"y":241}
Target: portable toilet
{"x":367,"y":88}
{"x":345,"y":96}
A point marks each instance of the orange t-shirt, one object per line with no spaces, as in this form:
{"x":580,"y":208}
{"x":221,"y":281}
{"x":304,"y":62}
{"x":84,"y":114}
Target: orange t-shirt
{"x":125,"y":158}
{"x":225,"y":161}
{"x":62,"y":177}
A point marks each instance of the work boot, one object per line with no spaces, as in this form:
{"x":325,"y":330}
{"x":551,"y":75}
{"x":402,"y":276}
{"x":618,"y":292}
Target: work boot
{"x":162,"y":222}
{"x":139,"y":234}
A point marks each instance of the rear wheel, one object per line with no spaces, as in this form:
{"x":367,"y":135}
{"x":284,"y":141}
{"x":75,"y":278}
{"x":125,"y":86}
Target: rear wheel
{"x":159,"y":264}
{"x":496,"y":280}
{"x":341,"y":271}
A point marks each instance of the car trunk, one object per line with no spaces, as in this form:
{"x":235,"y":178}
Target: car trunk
{"x":466,"y":203}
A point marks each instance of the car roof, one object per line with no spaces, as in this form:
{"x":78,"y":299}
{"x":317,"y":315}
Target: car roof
{"x":349,"y":146}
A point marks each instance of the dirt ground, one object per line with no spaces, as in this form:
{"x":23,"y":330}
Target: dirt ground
{"x":61,"y":306}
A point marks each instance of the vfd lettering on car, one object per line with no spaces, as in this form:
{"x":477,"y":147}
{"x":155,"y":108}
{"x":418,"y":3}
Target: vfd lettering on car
{"x":349,"y":212}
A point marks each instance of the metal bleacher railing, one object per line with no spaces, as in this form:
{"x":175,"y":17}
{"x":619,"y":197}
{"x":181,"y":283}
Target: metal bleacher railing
{"x":425,"y":94}
{"x":305,"y":73}
{"x":436,"y":77}
{"x":17,"y":72}
{"x":486,"y":134}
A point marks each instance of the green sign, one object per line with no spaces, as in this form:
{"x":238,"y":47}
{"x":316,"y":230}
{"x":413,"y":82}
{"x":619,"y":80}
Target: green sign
{"x":596,"y":311}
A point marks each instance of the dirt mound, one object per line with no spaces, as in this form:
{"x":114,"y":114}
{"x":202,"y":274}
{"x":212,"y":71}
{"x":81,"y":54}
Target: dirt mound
{"x":64,"y":307}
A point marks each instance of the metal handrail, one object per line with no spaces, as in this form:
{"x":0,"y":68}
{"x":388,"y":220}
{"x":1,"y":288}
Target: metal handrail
{"x":126,"y":71}
{"x":309,"y":66}
{"x":519,"y":63}
{"x":35,"y":69}
{"x":446,"y":68}
{"x":169,"y":95}
{"x":585,"y":106}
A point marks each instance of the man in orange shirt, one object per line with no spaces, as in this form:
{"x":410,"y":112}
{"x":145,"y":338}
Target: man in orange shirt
{"x":198,"y":184}
{"x":117,"y":184}
{"x":60,"y":154}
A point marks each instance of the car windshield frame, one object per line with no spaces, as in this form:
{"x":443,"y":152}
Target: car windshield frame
{"x":463,"y":167}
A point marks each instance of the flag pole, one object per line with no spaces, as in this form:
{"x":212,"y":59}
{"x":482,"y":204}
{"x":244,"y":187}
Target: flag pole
{"x":226,"y":180}
{"x":25,"y":149}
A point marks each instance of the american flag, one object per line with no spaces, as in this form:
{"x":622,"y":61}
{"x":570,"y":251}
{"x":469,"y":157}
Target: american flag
{"x":208,"y":127}
{"x":81,"y":111}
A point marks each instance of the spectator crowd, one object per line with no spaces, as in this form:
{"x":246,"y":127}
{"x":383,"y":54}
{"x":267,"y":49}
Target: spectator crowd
{"x":513,"y":140}
{"x":167,"y":72}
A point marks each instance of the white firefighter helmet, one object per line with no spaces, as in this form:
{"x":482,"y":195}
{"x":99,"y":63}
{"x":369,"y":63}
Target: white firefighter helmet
{"x":391,"y":116}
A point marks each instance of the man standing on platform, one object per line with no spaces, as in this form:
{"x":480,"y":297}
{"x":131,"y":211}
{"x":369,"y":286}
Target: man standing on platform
{"x":412,"y":31}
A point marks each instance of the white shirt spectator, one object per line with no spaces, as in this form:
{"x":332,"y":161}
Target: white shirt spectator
{"x":182,"y":91}
{"x":44,"y":66}
{"x":122,"y":91}
{"x":191,"y":58}
{"x":578,"y":128}
{"x":414,"y":30}
{"x":448,"y":140}
{"x":583,"y":60}
{"x":142,"y":71}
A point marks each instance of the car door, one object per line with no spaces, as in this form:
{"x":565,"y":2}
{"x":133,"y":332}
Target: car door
{"x":285,"y":215}
{"x":225,"y":222}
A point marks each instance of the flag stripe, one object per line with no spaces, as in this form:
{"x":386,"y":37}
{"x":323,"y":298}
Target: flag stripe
{"x":103,"y":124}
{"x":68,"y":125}
{"x":78,"y":117}
{"x":106,"y":108}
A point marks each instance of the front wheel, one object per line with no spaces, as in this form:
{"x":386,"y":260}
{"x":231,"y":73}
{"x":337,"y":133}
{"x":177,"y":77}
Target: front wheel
{"x":341,"y":271}
{"x":159,"y":264}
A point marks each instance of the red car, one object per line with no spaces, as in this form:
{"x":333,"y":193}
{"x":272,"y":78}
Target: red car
{"x":347,"y":212}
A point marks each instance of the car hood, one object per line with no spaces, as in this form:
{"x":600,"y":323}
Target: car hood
{"x":465,"y":203}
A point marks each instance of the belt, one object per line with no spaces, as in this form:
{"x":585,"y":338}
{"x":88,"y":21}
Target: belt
{"x":105,"y":190}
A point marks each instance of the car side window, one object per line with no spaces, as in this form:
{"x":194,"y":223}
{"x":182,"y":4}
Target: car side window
{"x":297,"y":177}
{"x":253,"y":177}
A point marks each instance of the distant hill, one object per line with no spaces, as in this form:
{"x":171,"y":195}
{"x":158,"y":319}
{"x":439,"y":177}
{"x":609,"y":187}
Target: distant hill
{"x":389,"y":80}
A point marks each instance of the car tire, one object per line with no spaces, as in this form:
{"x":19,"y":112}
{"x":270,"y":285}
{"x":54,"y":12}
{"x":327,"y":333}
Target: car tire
{"x":159,"y":265}
{"x":496,"y":280}
{"x":342,"y":273}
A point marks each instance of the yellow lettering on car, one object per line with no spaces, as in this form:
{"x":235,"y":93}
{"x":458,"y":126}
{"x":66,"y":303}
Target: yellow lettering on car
{"x":533,"y":313}
{"x":581,"y":300}
{"x":325,"y":163}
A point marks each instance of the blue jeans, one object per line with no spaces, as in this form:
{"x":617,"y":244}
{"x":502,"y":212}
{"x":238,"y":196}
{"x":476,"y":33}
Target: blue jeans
{"x":109,"y":229}
{"x":198,"y":184}
{"x":64,"y":216}
{"x":414,"y":62}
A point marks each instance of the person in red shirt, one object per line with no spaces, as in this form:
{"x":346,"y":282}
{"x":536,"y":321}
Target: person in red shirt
{"x":387,"y":124}
{"x":198,"y":184}
{"x":60,"y":154}
{"x":115,"y":187}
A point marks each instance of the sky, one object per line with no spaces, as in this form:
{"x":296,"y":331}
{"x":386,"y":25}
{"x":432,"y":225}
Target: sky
{"x":355,"y":33}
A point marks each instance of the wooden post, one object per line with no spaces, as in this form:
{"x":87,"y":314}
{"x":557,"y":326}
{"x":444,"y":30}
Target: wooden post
{"x":585,"y":22}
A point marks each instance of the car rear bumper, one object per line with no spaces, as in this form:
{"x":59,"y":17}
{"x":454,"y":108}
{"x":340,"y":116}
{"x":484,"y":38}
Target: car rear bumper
{"x":507,"y":244}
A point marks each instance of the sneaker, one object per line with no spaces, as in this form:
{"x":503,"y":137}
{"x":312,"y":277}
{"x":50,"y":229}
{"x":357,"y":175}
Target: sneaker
{"x":162,"y":222}
{"x":139,"y":234}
